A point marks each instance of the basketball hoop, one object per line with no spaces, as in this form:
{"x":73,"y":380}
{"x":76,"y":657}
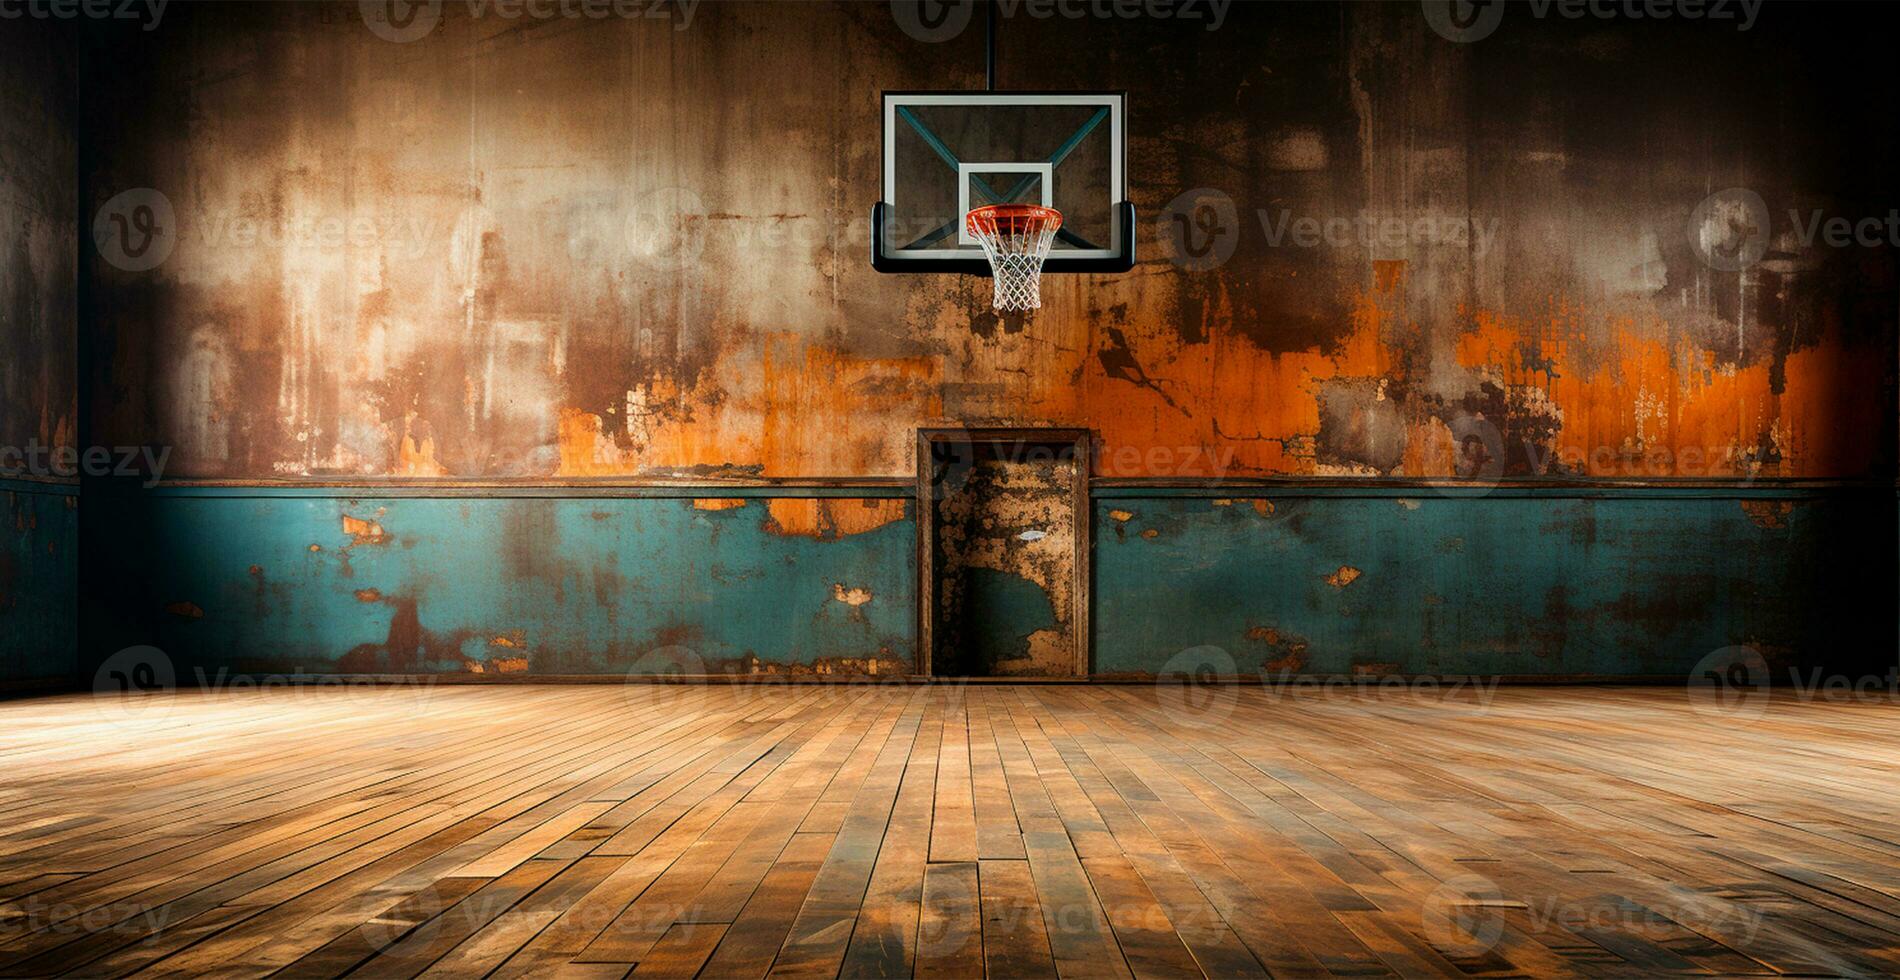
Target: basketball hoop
{"x":1016,"y":238}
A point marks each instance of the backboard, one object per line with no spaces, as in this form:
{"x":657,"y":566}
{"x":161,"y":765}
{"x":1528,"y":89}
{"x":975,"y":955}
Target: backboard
{"x":948,"y":152}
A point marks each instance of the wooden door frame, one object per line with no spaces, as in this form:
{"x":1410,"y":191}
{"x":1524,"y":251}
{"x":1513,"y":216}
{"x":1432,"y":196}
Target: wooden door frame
{"x":1077,"y":440}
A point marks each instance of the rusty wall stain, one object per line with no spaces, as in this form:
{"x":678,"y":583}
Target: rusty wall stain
{"x":850,"y":596}
{"x":1005,"y":573}
{"x":1768,"y":514}
{"x":637,"y":279}
{"x":361,"y":531}
{"x":38,"y":245}
{"x":829,"y":518}
{"x":1285,"y":652}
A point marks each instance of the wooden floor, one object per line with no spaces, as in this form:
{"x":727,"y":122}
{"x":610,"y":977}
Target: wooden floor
{"x":1021,"y":830}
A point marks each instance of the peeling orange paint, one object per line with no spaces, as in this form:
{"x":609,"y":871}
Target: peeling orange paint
{"x":718,"y":503}
{"x":782,"y":405}
{"x":506,"y":351}
{"x":1123,"y":516}
{"x":829,"y":518}
{"x":362,"y":531}
{"x":1263,"y":507}
{"x":1257,"y":411}
{"x":415,"y":450}
{"x":882,"y":664}
{"x":1632,"y":395}
{"x":1289,"y":662}
{"x":514,"y":641}
{"x":850,"y":597}
{"x":1661,"y":406}
{"x":1346,"y":575}
{"x":1290,"y":651}
{"x":585,"y":450}
{"x":509,"y":665}
{"x":369,"y":595}
{"x":813,"y":395}
{"x":1770,"y":514}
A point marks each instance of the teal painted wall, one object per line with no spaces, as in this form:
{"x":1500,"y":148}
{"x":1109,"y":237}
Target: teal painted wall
{"x":1642,"y":583}
{"x":39,"y":583}
{"x":1604,"y":583}
{"x":497,"y":586}
{"x":39,"y":402}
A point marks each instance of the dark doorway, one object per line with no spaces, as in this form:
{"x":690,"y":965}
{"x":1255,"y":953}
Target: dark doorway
{"x":1003,"y":548}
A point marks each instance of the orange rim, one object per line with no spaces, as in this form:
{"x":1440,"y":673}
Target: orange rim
{"x":1012,"y":218}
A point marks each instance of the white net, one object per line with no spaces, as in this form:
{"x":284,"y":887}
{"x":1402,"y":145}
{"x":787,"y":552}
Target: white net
{"x":1016,"y":241}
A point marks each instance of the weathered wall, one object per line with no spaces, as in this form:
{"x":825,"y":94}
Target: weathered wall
{"x":38,"y":245}
{"x":543,"y":250}
{"x":38,"y":344}
{"x":1004,"y":563}
{"x":536,"y":585}
{"x":1314,"y":581}
{"x":559,"y":248}
{"x":1371,"y":582}
{"x":39,"y":586}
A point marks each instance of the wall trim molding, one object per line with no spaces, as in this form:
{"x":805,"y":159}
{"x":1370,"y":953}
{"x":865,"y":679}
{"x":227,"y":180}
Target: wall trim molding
{"x":1101,"y":488}
{"x":29,"y":484}
{"x":1778,"y":488}
{"x":457,"y":489}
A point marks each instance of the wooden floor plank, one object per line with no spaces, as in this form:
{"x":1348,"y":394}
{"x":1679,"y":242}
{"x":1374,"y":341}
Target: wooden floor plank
{"x":953,"y":828}
{"x":1015,"y":939}
{"x":902,"y":830}
{"x":950,"y":933}
{"x":884,"y":937}
{"x":682,"y":951}
{"x":749,"y":948}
